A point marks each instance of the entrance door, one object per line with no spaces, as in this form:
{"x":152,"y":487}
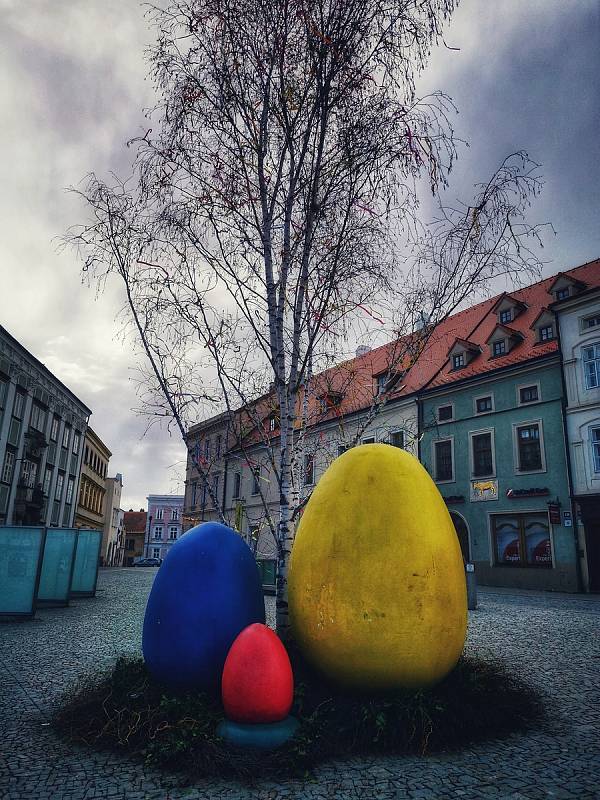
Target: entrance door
{"x":462,"y":531}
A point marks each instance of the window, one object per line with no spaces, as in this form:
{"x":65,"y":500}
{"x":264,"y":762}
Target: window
{"x":29,"y":473}
{"x":59,"y":486}
{"x":156,"y":552}
{"x":266,"y":568}
{"x":529,"y":448}
{"x":562,"y":294}
{"x":444,"y":468}
{"x":255,"y":480}
{"x":158,"y":531}
{"x":546,"y":333}
{"x":194,"y":492}
{"x":458,"y":360}
{"x":47,"y":481}
{"x":484,"y":404}
{"x":66,"y":436}
{"x":595,"y":437}
{"x":528,"y":394}
{"x":253,"y":536}
{"x":591,"y":366}
{"x":590,"y":322}
{"x":18,"y":405}
{"x":368,"y":440}
{"x":522,"y":540}
{"x":506,"y":315}
{"x":397,"y":439}
{"x":237,"y":485}
{"x":499,"y":348}
{"x":173,"y":532}
{"x":215,"y":491}
{"x":482,"y":464}
{"x":342,"y":449}
{"x":8,"y":467}
{"x":159,"y":513}
{"x":309,"y":469}
{"x":445,"y":413}
{"x":175,"y":514}
{"x":76,"y":442}
{"x":207,"y":449}
{"x":382,"y":382}
{"x":38,"y":417}
{"x":271,"y":424}
{"x":3,"y":392}
{"x":218,"y":446}
{"x":70,"y":490}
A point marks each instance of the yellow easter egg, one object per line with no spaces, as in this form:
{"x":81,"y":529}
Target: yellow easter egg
{"x":376,"y":585}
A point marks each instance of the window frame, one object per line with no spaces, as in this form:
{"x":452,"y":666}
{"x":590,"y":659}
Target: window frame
{"x":523,"y":386}
{"x":593,"y":444}
{"x":156,"y":551}
{"x":308,"y":471}
{"x":459,"y":360}
{"x":434,"y":459}
{"x":450,"y":418}
{"x":541,"y":333}
{"x":595,"y":360}
{"x":506,"y":316}
{"x":516,"y":453}
{"x":370,"y":439}
{"x":256,"y":475}
{"x":585,"y":328}
{"x":398,"y":432}
{"x":157,"y":534}
{"x":10,"y":467}
{"x":472,"y":435}
{"x":489,"y":395}
{"x":498,"y":343}
{"x":173,"y":531}
{"x":236,"y":491}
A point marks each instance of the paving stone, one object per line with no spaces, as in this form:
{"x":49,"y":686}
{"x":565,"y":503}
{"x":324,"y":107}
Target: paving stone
{"x":549,"y":639}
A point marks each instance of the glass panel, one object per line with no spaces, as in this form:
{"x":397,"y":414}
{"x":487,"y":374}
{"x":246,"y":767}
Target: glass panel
{"x":508,"y":546}
{"x":482,"y":454}
{"x":537,"y":539}
{"x":59,"y":554}
{"x":443,"y":461}
{"x":530,"y":454}
{"x":267,"y":572}
{"x":86,"y":562}
{"x":20,"y":550}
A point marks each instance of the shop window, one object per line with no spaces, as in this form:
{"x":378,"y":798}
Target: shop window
{"x":528,"y":394}
{"x":397,"y":439}
{"x":482,"y":454}
{"x":443,"y":461}
{"x":522,"y":540}
{"x":595,"y":438}
{"x":484,"y":405}
{"x":309,"y":469}
{"x":445,"y":413}
{"x":591,"y":366}
{"x":529,"y":447}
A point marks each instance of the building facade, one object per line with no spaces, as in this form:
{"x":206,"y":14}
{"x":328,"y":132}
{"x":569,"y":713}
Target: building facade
{"x":578,"y":315}
{"x":481,"y":402}
{"x":134,"y":533}
{"x":164,"y":524}
{"x":91,"y":506}
{"x":42,"y":428}
{"x":113,"y":543}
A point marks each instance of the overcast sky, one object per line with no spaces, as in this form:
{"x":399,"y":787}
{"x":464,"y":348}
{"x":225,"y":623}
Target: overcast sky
{"x":526,"y":75}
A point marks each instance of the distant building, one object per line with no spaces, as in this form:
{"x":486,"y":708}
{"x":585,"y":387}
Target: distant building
{"x":163,"y":526}
{"x":91,"y":507}
{"x":42,"y":426}
{"x":134,"y":533}
{"x":113,"y":544}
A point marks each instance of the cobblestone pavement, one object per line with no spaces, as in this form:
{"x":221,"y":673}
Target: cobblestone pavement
{"x":552,"y":641}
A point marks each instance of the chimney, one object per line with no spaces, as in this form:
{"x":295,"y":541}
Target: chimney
{"x":362,"y":349}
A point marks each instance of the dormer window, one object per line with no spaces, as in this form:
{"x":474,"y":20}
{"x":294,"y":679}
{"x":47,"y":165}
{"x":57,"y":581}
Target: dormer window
{"x":506,"y":315}
{"x":499,"y":348}
{"x":458,"y":360}
{"x":565,"y":286}
{"x":543,"y":325}
{"x":508,"y":308}
{"x":462,"y":353}
{"x":386,"y":381}
{"x":329,"y":400}
{"x":502,"y":340}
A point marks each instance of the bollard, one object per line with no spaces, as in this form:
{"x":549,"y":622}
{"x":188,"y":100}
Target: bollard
{"x":471,"y":587}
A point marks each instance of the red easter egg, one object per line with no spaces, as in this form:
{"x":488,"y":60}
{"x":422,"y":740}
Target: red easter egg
{"x":257,"y":684}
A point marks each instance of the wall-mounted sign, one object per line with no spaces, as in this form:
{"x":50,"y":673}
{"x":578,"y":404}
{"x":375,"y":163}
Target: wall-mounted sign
{"x":554,"y":513}
{"x":567,"y":519}
{"x":484,"y":490}
{"x":534,"y":492}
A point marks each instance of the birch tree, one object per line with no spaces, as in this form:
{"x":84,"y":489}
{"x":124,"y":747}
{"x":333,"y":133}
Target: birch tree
{"x":259,"y":233}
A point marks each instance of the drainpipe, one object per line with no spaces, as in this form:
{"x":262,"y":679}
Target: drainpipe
{"x":563,"y":406}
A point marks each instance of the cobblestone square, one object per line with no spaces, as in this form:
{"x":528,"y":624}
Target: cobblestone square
{"x":551,"y":640}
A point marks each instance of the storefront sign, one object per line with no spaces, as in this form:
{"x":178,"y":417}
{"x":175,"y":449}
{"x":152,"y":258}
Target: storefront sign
{"x":484,"y":490}
{"x":554,"y":512}
{"x":535,"y":492}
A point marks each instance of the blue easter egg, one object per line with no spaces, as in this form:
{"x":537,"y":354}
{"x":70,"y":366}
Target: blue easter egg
{"x":207,"y":590}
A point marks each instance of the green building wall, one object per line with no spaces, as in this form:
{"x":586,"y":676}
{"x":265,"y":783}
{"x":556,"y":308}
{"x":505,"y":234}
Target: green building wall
{"x":478,"y":515}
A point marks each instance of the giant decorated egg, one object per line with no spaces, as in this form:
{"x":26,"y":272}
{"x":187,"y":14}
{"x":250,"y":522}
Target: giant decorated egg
{"x":207,"y":590}
{"x":377,"y":590}
{"x":258,"y":684}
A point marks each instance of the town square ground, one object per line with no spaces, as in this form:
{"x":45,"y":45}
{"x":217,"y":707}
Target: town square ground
{"x":551,"y":640}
